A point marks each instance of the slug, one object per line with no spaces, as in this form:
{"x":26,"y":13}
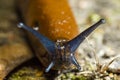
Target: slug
{"x":53,"y":32}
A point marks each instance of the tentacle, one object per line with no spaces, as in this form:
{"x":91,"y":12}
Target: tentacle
{"x":74,"y":43}
{"x":50,"y":66}
{"x":48,"y":44}
{"x":74,"y":61}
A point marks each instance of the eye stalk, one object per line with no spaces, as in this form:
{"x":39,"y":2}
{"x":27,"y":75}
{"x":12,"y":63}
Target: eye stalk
{"x":47,"y":43}
{"x":73,"y":44}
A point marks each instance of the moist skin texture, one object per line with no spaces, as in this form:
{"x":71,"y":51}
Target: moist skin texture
{"x":53,"y":18}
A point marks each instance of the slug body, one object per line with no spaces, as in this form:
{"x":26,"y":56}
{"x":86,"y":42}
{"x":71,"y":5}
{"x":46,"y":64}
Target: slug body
{"x":53,"y":17}
{"x":57,"y":32}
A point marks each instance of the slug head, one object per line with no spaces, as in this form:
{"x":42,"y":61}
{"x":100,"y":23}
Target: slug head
{"x":62,"y":57}
{"x":62,"y":52}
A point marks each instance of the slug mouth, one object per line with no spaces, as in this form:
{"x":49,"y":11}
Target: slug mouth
{"x":61,"y":58}
{"x":62,"y":53}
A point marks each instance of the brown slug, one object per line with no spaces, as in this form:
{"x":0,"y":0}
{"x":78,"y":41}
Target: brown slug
{"x":56,"y":38}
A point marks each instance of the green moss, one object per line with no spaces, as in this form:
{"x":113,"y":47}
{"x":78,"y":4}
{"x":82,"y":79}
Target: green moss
{"x":27,"y":74}
{"x":73,"y":76}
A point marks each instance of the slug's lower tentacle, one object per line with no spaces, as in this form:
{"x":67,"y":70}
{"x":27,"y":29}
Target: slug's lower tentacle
{"x":50,"y":66}
{"x":74,"y":61}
